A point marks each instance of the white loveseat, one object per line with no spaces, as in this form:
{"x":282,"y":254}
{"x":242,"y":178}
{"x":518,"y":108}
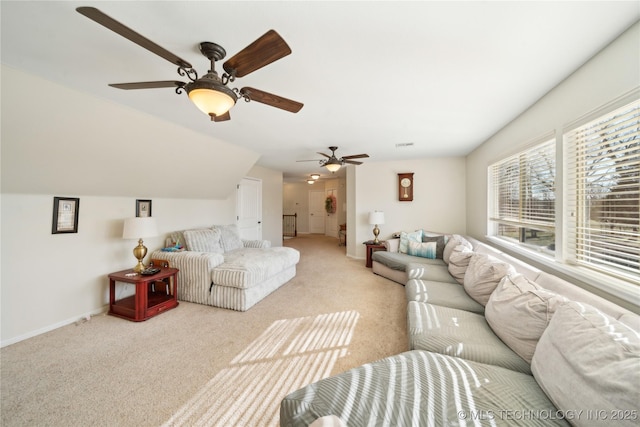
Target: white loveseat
{"x":220,"y":269}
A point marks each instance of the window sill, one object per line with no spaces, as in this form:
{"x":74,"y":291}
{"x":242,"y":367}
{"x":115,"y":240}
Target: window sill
{"x":622,"y":289}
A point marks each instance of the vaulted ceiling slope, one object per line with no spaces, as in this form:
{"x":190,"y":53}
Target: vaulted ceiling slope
{"x":443,"y":76}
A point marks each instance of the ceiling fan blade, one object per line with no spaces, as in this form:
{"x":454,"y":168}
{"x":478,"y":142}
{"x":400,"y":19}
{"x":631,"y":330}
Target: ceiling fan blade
{"x":271,"y":99}
{"x":310,"y":160}
{"x":126,"y":32}
{"x":326,"y":155}
{"x":148,"y":85}
{"x":267,"y":49}
{"x":224,"y":117}
{"x":352,"y":162}
{"x":356,"y":156}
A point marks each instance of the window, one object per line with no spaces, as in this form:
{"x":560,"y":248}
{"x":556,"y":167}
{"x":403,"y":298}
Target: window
{"x":523,"y":199}
{"x":602,"y":198}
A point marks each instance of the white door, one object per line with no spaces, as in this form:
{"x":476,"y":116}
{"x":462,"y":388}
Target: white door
{"x":249,"y":209}
{"x":316,"y":212}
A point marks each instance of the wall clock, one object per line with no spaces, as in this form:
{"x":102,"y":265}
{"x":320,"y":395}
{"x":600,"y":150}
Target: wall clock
{"x":405,"y":187}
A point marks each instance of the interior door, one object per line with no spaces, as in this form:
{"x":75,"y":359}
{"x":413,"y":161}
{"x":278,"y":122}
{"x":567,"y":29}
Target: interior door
{"x":249,"y":209}
{"x":316,"y":212}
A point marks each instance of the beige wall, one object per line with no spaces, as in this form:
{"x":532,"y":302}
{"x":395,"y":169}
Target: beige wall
{"x":438,"y":203}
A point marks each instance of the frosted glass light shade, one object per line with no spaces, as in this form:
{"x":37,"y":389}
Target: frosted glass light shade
{"x":211,"y":101}
{"x":333,"y":167}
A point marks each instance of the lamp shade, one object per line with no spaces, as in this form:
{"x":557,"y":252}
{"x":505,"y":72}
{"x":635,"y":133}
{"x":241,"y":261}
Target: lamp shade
{"x":139,"y":228}
{"x":376,"y":217}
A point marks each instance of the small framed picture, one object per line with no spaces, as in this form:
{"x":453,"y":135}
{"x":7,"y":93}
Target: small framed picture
{"x":65,"y":215}
{"x":143,"y":208}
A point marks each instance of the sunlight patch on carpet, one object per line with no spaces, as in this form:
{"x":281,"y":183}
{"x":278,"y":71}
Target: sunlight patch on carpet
{"x":290,"y":354}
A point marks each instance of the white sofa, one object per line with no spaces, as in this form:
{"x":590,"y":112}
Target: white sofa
{"x":220,"y":269}
{"x":493,"y":342}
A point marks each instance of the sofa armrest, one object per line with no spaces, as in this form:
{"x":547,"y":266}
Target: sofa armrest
{"x":194,"y":278}
{"x":392,"y":245}
{"x":256,"y":243}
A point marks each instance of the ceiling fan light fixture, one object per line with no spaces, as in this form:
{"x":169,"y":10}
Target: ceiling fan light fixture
{"x":210,"y":95}
{"x":333,"y":165}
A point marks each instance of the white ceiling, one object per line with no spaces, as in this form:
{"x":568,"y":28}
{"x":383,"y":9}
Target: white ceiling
{"x":444,"y":76}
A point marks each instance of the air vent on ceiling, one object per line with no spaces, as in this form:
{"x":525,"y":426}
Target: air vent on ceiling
{"x":404,"y":144}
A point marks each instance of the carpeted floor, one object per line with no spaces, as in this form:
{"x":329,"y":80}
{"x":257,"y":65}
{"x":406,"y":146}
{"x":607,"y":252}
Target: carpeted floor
{"x":203,"y":366}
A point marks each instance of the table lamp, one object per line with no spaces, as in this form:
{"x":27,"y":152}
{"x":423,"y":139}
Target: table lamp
{"x":376,"y":218}
{"x":138,"y":228}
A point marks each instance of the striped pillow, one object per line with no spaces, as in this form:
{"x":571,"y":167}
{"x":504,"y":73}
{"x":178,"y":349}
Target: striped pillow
{"x":424,"y":250}
{"x":205,"y":240}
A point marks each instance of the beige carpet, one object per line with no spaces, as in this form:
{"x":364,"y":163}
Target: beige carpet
{"x":202,"y":366}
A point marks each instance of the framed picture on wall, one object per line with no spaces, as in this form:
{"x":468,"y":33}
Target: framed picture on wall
{"x":65,"y":215}
{"x":143,"y":208}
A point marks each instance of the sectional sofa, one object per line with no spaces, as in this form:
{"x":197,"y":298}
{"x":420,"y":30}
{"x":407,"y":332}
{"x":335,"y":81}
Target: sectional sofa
{"x":220,"y":269}
{"x":492,"y":341}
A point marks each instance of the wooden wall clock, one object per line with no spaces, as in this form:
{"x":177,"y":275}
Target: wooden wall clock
{"x":405,"y":187}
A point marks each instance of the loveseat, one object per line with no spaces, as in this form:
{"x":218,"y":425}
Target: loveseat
{"x":493,"y":342}
{"x":220,"y":269}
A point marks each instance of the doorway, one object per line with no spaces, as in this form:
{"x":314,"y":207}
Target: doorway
{"x":316,"y":212}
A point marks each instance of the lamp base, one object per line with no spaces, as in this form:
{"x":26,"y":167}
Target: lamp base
{"x":139,"y":252}
{"x":376,"y":232}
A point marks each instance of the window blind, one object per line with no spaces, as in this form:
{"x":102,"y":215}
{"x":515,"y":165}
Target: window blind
{"x":524,"y":188}
{"x":603,"y":193}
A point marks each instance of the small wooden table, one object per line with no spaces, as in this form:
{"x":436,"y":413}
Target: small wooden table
{"x":371,"y":248}
{"x":154,"y":294}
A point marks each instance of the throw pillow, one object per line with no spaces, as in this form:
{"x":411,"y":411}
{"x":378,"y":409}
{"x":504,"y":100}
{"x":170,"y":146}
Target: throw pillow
{"x":454,"y":241}
{"x":519,"y":311}
{"x":459,"y":262}
{"x":597,"y":357}
{"x":440,"y":242}
{"x":229,"y":237}
{"x":424,"y":250}
{"x":405,"y":237}
{"x":205,"y":240}
{"x":483,"y":275}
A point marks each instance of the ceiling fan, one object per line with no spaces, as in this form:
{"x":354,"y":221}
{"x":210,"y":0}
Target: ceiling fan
{"x":333,"y":164}
{"x":210,"y":93}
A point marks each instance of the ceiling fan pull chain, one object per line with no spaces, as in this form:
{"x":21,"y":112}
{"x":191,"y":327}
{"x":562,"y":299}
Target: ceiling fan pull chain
{"x":190,"y":73}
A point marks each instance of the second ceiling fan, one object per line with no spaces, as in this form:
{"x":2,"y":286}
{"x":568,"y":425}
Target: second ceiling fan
{"x":210,"y":93}
{"x":333,"y":163}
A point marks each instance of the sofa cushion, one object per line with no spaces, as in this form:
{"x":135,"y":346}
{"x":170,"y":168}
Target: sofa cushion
{"x":445,"y":294}
{"x":436,"y":271}
{"x":454,"y":241}
{"x":203,"y":240}
{"x":459,"y":333}
{"x":483,"y":275}
{"x":418,"y":388}
{"x":459,"y":262}
{"x":229,"y":237}
{"x":405,"y":238}
{"x":519,"y":311}
{"x":440,"y":243}
{"x":248,"y":267}
{"x":586,"y":359}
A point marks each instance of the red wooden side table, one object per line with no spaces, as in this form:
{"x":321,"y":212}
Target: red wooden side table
{"x":154,"y":294}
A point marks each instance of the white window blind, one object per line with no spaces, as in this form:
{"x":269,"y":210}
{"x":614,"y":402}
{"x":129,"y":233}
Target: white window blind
{"x":603,"y":193}
{"x":524,"y":188}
